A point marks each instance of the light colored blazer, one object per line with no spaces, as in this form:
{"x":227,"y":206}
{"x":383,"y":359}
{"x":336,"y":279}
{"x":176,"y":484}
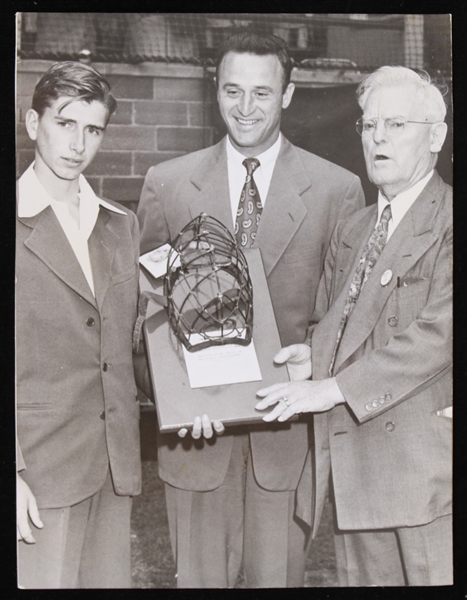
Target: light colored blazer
{"x":390,"y":445}
{"x":306,"y":198}
{"x":74,"y":359}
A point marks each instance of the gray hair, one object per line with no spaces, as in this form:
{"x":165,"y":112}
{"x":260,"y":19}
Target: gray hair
{"x":429,"y":95}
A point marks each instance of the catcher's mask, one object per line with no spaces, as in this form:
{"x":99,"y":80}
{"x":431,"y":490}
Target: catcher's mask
{"x":209,"y":292}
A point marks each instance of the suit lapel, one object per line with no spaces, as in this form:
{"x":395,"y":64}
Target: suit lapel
{"x":284,"y":210}
{"x":50,"y":244}
{"x":212,"y":180}
{"x":412,"y":238}
{"x":102,"y":247}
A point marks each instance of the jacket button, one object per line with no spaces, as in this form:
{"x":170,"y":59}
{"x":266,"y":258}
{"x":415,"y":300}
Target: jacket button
{"x":102,"y":415}
{"x":375,"y":403}
{"x":90,"y":322}
{"x":390,"y":426}
{"x":105,"y":366}
{"x":381,"y":400}
{"x":388,"y":397}
{"x":392,"y":321}
{"x":369,"y":406}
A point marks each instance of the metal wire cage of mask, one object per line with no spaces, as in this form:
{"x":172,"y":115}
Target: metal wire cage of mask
{"x":208,"y":287}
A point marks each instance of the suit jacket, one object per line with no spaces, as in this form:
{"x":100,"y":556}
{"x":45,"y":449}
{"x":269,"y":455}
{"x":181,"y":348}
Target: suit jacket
{"x":389,"y":445}
{"x":76,"y":396}
{"x":306,"y":198}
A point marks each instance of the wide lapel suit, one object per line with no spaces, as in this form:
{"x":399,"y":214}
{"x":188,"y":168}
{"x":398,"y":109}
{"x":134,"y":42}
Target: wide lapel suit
{"x":389,"y":447}
{"x":76,"y":394}
{"x":306,"y":198}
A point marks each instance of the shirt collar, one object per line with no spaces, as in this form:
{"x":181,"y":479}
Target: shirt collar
{"x":33,"y":198}
{"x":266,"y":158}
{"x":401,"y":203}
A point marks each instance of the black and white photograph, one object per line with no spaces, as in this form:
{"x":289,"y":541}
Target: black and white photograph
{"x":233,"y":301}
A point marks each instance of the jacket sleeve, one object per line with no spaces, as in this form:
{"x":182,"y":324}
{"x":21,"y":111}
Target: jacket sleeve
{"x":411,"y":360}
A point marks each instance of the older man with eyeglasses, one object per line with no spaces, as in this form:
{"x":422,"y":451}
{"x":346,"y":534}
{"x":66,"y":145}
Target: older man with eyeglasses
{"x":381,"y":353}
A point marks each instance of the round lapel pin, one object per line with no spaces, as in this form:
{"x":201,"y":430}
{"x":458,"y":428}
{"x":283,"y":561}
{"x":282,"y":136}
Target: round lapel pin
{"x":386,"y":277}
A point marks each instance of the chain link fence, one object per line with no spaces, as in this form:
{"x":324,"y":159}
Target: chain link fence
{"x":334,"y":41}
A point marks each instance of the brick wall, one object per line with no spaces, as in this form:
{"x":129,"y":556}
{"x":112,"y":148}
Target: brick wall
{"x":163,"y":111}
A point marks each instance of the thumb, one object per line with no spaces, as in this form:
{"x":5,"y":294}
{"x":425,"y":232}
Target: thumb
{"x":287,"y":353}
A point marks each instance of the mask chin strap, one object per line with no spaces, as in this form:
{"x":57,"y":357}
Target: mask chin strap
{"x":143,"y":302}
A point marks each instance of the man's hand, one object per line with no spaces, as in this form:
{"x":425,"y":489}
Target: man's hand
{"x":298,"y":359}
{"x":203,"y":426}
{"x":26,"y":506}
{"x":299,"y":397}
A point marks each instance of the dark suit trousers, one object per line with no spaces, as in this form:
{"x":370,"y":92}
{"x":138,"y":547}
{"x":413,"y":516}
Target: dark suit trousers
{"x":86,"y":545}
{"x":420,"y":556}
{"x":212,"y":532}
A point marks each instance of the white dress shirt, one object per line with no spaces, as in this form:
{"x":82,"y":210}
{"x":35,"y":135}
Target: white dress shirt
{"x":401,"y":203}
{"x":262,"y":175}
{"x":33,"y":199}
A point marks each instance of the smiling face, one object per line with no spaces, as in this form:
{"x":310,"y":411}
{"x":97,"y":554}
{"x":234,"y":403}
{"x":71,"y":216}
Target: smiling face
{"x":66,"y":140}
{"x":396,"y":162}
{"x":251,"y":100}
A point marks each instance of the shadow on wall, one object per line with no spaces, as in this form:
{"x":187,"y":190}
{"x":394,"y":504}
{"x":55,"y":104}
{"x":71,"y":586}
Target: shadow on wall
{"x":322,"y":121}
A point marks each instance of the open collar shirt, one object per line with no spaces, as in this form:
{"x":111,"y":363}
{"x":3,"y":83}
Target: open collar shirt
{"x":33,"y":199}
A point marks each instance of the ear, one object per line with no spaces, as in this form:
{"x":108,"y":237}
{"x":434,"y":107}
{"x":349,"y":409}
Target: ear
{"x":437,"y":136}
{"x":32,"y":123}
{"x":287,"y":95}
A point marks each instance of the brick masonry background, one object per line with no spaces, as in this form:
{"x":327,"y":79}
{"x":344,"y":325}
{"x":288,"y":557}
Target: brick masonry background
{"x":163,"y":111}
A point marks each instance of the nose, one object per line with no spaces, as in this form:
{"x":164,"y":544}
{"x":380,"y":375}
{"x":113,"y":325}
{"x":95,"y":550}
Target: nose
{"x":380,"y":133}
{"x":77,"y":142}
{"x":246,"y":105}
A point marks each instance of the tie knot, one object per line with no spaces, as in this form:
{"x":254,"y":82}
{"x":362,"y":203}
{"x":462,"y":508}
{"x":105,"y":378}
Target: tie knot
{"x":251,"y":164}
{"x":386,"y":214}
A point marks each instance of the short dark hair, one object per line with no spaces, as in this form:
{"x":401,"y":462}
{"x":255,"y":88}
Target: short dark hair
{"x":254,"y":43}
{"x":75,"y":80}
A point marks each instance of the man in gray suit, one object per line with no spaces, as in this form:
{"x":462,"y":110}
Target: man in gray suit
{"x":232,"y":497}
{"x":381,"y":348}
{"x":77,"y":257}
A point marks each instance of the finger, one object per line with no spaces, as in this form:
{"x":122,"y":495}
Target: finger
{"x":275,"y":413}
{"x":272,"y":398}
{"x":196,"y":431}
{"x":285,"y":354}
{"x":24,"y":532}
{"x":182,"y":432}
{"x":271,"y":389}
{"x":34,"y":513}
{"x":218,"y":427}
{"x":207,"y":427}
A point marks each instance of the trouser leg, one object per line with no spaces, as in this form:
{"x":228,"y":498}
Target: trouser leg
{"x":274,"y":540}
{"x":368,"y":558}
{"x":53,"y":561}
{"x":427,"y":552}
{"x":84,"y":545}
{"x":206,"y":528}
{"x":106,"y":553}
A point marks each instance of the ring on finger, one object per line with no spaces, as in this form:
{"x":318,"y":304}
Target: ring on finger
{"x":286,"y":401}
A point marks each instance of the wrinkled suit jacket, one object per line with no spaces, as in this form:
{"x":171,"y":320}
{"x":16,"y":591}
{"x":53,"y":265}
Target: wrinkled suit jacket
{"x":74,"y":359}
{"x":390,"y":445}
{"x":307,"y":196}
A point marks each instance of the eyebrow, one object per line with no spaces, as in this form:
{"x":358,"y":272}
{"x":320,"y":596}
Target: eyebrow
{"x":65,"y":120}
{"x":256,"y":87}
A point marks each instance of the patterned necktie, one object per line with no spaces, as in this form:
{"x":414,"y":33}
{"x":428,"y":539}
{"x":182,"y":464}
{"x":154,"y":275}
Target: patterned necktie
{"x":249,"y":207}
{"x":367,"y":261}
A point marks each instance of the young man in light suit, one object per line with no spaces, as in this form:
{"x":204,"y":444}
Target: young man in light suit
{"x":384,"y":400}
{"x":77,"y":414}
{"x":232,"y":497}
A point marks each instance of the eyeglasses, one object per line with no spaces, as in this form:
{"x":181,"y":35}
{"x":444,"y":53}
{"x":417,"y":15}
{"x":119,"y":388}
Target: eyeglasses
{"x":394,"y":126}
